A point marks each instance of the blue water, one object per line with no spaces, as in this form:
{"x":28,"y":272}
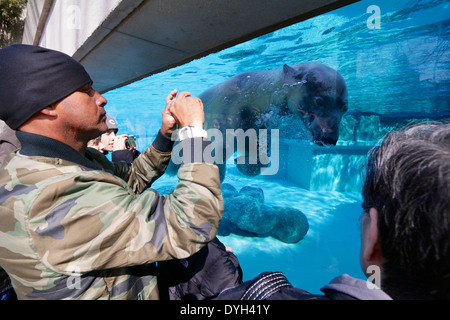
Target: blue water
{"x":394,"y":73}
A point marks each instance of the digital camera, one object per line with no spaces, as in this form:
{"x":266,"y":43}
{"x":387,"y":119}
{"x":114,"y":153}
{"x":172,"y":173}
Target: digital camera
{"x":130,"y":143}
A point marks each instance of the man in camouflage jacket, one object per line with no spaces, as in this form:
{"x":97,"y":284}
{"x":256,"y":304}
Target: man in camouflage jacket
{"x":76,"y":226}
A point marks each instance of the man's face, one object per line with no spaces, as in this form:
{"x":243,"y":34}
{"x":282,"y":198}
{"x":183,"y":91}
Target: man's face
{"x":107,"y":139}
{"x":96,"y":144}
{"x":83,"y":114}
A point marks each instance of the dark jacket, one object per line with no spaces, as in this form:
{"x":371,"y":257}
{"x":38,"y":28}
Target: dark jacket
{"x":202,"y":276}
{"x":275,"y":286}
{"x":124,"y":155}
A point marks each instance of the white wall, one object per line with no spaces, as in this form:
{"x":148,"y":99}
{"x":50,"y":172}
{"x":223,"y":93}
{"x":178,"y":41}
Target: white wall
{"x":69,"y":23}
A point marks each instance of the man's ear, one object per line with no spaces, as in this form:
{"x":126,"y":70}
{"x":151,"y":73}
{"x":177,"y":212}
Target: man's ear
{"x":372,"y":250}
{"x":50,"y":110}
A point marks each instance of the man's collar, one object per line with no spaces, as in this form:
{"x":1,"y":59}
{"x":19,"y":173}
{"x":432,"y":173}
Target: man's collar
{"x":37,"y":145}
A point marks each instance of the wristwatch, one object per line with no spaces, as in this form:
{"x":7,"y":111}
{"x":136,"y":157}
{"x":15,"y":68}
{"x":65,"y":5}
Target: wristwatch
{"x":192,"y":132}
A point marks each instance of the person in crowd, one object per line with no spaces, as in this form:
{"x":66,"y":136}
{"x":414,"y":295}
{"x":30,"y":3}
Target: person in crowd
{"x":109,"y":136}
{"x":77,"y":226}
{"x":8,"y":143}
{"x":8,"y":140}
{"x":122,"y":147}
{"x":405,"y":225}
{"x":125,"y":148}
{"x":96,"y":144}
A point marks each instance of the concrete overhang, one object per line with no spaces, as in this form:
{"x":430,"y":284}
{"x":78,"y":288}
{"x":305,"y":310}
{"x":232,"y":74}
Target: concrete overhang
{"x":140,"y":38}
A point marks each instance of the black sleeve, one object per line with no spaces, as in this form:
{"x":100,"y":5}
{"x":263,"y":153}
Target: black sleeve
{"x":202,"y":276}
{"x":122,"y":155}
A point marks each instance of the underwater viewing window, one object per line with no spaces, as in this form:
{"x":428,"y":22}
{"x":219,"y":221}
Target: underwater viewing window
{"x":318,"y":94}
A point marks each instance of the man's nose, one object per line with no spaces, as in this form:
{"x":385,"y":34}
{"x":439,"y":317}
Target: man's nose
{"x":100,"y":100}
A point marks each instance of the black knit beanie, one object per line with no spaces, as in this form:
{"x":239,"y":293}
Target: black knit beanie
{"x":32,"y":78}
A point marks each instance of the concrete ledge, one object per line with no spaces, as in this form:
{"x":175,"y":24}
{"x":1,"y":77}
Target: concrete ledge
{"x":140,"y":38}
{"x":338,"y":168}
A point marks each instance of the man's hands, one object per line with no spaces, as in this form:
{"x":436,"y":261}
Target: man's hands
{"x":120,"y":142}
{"x":187,"y":110}
{"x":183,"y":111}
{"x":168,"y":121}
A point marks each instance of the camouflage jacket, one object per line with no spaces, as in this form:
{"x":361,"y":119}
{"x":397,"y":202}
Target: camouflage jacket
{"x":92,"y":229}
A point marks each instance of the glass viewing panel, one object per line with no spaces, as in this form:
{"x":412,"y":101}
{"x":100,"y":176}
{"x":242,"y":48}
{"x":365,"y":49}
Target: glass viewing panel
{"x":316,"y":96}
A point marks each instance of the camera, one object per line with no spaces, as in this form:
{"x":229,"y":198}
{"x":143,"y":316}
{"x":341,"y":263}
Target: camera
{"x":130,"y":143}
